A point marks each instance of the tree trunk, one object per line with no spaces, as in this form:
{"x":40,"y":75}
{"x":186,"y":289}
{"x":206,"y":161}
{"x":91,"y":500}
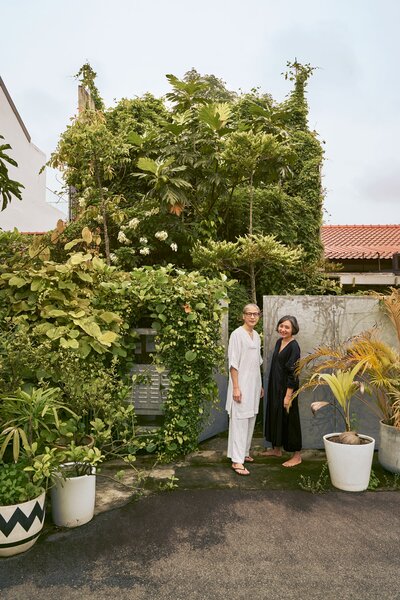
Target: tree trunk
{"x":251,"y":204}
{"x":104,"y":215}
{"x":106,"y":238}
{"x":253,"y":284}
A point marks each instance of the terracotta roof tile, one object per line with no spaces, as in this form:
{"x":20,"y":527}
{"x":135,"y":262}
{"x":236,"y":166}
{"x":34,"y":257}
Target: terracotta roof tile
{"x":360,"y":241}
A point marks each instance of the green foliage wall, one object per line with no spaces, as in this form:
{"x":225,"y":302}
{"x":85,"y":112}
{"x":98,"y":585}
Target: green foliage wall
{"x":72,"y":325}
{"x":166,"y":168}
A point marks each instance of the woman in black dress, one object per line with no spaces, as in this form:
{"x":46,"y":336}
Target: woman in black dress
{"x":282,"y":425}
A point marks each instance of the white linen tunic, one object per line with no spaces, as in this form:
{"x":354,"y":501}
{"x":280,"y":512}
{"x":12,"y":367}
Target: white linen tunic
{"x":244,"y":355}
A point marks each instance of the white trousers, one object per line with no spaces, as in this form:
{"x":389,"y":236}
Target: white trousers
{"x":239,"y":438}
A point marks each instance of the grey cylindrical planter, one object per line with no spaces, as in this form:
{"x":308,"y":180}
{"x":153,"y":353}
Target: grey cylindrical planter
{"x":389,"y":448}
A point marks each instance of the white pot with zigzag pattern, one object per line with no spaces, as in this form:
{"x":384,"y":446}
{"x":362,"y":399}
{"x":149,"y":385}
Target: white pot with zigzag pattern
{"x":20,"y":525}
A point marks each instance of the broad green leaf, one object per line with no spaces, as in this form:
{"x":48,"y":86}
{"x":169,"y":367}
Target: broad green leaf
{"x":84,"y":348}
{"x":108,"y":338}
{"x":55,"y":332}
{"x":54,"y":312}
{"x":85,"y":276}
{"x":37,"y":284}
{"x":77,"y":259}
{"x":72,"y":243}
{"x":77,"y":314}
{"x":147,"y":164}
{"x":98,"y":263}
{"x":97,"y":347}
{"x":190,"y":355}
{"x":16,"y":281}
{"x":71,"y":343}
{"x":87,"y":235}
{"x":135,"y":139}
{"x":89,"y":327}
{"x":110,"y":317}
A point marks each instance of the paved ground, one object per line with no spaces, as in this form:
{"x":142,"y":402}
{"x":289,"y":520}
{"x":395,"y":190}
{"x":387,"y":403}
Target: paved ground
{"x":220,"y":536}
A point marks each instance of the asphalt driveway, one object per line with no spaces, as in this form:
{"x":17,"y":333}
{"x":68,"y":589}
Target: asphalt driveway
{"x":220,"y":544}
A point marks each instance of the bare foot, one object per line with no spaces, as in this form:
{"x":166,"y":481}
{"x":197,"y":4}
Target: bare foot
{"x":248,"y":459}
{"x":273,"y":452}
{"x":292,"y":462}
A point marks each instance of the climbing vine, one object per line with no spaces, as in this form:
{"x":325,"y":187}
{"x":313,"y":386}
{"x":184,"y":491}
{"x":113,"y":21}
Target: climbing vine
{"x":186,"y":309}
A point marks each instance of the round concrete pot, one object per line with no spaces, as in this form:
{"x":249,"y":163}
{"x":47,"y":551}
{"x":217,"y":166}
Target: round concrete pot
{"x":20,"y":525}
{"x":349,"y":465}
{"x":73,"y":499}
{"x":389,"y":448}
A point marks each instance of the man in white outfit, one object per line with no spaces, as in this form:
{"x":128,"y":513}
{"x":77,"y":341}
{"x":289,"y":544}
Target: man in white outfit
{"x":244,"y":389}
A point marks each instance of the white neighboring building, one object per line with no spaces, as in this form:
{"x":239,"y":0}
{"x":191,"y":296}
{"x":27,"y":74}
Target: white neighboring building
{"x":32,"y":213}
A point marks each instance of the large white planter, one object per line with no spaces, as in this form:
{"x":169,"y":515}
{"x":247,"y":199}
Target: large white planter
{"x":349,"y":466}
{"x":20,"y":525}
{"x":389,"y":448}
{"x":73,"y":499}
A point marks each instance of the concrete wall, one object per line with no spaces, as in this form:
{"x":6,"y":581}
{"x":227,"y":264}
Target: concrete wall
{"x":326,"y":320}
{"x":33,"y":213}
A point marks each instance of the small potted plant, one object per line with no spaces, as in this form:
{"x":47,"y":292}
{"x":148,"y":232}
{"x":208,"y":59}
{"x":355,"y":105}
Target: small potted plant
{"x":22,"y":501}
{"x":73,"y":430}
{"x":73,"y":493}
{"x":29,"y":419}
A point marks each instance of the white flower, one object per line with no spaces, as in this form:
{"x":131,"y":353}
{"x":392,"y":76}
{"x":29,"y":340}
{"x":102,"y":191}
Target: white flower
{"x":113,"y":257}
{"x":133,"y":223}
{"x":143,"y":240}
{"x":144,"y":251}
{"x":82,"y":202}
{"x":161,"y":235}
{"x":174,"y":247}
{"x":122,"y":238}
{"x":153,"y":211}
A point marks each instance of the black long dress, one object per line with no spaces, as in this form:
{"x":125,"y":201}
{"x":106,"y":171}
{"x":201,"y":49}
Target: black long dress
{"x":283,"y":428}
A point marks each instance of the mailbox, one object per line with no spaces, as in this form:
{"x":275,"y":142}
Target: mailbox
{"x":149,"y":388}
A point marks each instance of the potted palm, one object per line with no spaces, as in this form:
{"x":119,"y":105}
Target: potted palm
{"x":380,"y":370}
{"x":349,"y":454}
{"x":388,"y":384}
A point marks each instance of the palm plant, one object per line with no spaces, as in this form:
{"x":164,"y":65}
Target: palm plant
{"x":379,"y":367}
{"x":343,"y":386}
{"x":30,"y":418}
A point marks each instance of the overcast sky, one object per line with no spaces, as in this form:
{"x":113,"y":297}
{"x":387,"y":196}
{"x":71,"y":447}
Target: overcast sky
{"x":354,"y":96}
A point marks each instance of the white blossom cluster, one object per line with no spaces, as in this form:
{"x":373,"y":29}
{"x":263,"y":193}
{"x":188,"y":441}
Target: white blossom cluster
{"x":153,"y":211}
{"x":174,"y":247}
{"x":145,"y":250}
{"x":161,"y":235}
{"x":133,"y":223}
{"x":122,"y":238}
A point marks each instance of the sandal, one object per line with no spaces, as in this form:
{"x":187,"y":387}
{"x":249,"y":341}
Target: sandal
{"x":248,"y":459}
{"x":242,"y":471}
